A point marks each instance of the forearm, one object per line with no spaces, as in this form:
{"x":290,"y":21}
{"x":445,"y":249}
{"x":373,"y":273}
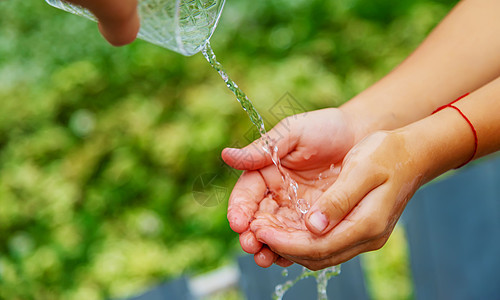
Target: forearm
{"x":459,"y":56}
{"x":445,"y":140}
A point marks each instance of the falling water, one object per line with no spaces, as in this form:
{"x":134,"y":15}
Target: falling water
{"x":321,"y":277}
{"x":291,"y":185}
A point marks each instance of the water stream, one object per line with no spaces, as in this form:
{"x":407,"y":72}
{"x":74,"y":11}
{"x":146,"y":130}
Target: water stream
{"x":290,"y":185}
{"x":321,"y":276}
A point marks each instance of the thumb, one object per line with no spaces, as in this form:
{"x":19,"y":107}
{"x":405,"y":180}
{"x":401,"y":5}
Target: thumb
{"x":255,"y":155}
{"x":340,"y":199}
{"x":328,"y":211}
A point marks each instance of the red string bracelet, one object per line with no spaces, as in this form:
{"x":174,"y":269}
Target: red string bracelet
{"x":468,"y":122}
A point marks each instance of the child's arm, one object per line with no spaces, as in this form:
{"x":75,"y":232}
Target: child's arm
{"x":459,"y":56}
{"x":379,"y":176}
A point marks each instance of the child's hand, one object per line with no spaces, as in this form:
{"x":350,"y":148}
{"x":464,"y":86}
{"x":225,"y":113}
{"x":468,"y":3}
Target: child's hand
{"x":378,"y":177}
{"x":118,"y":19}
{"x":309,"y":144}
{"x":357,"y":212}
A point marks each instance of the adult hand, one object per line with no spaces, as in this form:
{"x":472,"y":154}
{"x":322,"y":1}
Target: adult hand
{"x":118,"y":19}
{"x":309,"y":144}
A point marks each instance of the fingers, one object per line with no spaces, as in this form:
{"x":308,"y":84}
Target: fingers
{"x":369,"y":221}
{"x":244,"y":200}
{"x":354,"y":182}
{"x":118,"y":19}
{"x":254,"y":156}
{"x":249,"y":242}
{"x":265,"y":257}
{"x":283,"y":240}
{"x":283,"y":262}
{"x":361,"y":231}
{"x":342,"y":257}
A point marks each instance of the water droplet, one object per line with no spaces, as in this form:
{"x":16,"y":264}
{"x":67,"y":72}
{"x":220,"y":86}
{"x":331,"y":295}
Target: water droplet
{"x":291,"y":187}
{"x":284,"y":273}
{"x":278,"y":292}
{"x":303,"y":205}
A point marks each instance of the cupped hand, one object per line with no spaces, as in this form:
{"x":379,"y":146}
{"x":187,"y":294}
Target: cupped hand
{"x":118,"y":19}
{"x":311,"y":147}
{"x":356,"y":214}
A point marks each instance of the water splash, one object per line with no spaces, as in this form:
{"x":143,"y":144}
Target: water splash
{"x":321,"y":277}
{"x":303,"y":205}
{"x":290,"y":185}
{"x":284,"y":273}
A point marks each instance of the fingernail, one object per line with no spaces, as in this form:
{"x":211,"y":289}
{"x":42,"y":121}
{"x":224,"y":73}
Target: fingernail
{"x":318,"y":220}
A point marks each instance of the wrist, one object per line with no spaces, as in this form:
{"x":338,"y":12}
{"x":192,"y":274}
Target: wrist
{"x":439,"y":142}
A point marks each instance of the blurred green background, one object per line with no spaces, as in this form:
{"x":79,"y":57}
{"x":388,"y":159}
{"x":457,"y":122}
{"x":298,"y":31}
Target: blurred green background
{"x":100,"y":147}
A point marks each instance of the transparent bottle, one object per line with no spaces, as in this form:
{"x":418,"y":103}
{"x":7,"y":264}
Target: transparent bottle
{"x":183,"y":26}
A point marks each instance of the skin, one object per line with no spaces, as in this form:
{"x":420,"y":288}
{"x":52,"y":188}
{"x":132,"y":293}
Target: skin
{"x":363,"y":203}
{"x":304,"y":156}
{"x":357,"y":211}
{"x":367,"y":223}
{"x":118,"y":20}
{"x":393,"y":151}
{"x":459,"y":56}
